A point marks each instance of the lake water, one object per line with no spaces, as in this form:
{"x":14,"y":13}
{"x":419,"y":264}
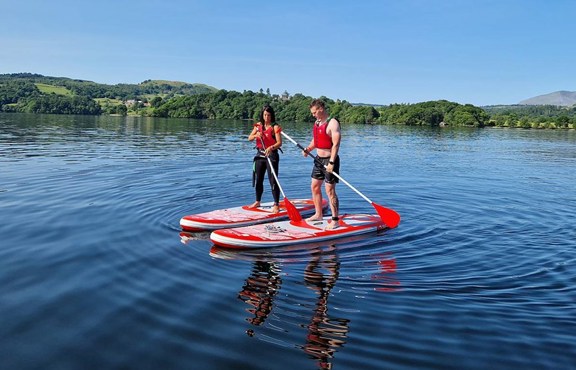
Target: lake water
{"x":94,"y":274}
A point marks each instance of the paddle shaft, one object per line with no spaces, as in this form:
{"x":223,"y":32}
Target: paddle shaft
{"x":334,"y":173}
{"x":272,"y":169}
{"x":293,"y":213}
{"x":390,"y":217}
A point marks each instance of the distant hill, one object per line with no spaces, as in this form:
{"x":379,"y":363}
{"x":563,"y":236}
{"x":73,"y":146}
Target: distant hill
{"x":98,"y":90}
{"x":35,"y":93}
{"x":178,"y":86}
{"x":560,"y":98}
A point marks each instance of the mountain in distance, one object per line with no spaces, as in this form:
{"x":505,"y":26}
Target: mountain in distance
{"x":560,"y":98}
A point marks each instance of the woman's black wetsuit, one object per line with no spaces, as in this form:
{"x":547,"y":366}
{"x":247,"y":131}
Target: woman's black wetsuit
{"x":261,"y":166}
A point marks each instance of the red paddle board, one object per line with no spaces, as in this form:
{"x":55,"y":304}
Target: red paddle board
{"x":244,"y":215}
{"x":284,"y":233}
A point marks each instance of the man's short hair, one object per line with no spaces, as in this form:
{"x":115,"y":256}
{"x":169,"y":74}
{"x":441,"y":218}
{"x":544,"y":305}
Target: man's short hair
{"x":318,"y":103}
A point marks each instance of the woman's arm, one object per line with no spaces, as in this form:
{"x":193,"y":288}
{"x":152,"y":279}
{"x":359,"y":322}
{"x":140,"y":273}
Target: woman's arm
{"x":255,"y":132}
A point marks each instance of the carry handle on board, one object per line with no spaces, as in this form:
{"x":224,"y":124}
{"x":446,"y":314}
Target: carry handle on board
{"x":390,"y":217}
{"x":293,"y":213}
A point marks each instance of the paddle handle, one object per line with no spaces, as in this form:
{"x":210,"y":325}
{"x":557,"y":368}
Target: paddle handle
{"x":294,"y":141}
{"x":316,"y":159}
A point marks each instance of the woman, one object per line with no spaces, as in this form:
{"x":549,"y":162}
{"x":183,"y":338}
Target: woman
{"x":266,"y":132}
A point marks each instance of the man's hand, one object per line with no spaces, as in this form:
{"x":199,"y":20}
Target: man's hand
{"x":330,"y":168}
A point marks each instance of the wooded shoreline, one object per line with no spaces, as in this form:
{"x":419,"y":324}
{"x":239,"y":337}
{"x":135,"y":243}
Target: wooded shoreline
{"x":33,"y":93}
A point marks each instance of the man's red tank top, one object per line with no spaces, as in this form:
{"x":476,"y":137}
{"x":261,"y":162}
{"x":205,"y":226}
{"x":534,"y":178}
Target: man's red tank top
{"x":321,"y":139}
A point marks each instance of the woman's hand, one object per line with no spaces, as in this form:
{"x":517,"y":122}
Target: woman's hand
{"x":256,"y":135}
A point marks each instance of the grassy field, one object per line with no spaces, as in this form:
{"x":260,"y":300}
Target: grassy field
{"x":49,"y":89}
{"x":103,"y":101}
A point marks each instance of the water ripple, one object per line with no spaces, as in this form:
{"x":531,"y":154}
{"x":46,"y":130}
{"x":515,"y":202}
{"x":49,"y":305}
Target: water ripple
{"x":95,"y":270}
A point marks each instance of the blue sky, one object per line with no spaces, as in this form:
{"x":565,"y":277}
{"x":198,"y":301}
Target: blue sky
{"x":482,"y":52}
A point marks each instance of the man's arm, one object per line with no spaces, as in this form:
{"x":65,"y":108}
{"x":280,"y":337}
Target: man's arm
{"x":333,"y":130}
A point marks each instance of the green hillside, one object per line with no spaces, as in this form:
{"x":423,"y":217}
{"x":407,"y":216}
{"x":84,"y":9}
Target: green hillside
{"x":35,"y":93}
{"x":118,"y":91}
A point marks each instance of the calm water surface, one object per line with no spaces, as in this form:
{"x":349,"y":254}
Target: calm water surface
{"x":94,"y":274}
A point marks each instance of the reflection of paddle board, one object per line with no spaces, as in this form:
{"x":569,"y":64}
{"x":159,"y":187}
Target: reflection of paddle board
{"x":283,"y":233}
{"x":244,"y":215}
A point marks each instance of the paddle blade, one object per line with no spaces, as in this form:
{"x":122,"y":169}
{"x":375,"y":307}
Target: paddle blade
{"x":389,"y":216}
{"x":292,"y":211}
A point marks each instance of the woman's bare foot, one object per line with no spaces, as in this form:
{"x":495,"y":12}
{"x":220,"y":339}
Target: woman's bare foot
{"x":256,"y":204}
{"x":275,"y":208}
{"x":332,"y":225}
{"x":315,"y":217}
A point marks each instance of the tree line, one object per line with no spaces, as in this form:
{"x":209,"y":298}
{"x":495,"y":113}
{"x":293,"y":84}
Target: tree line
{"x":247,"y":105}
{"x":532,"y":116}
{"x":21,"y":93}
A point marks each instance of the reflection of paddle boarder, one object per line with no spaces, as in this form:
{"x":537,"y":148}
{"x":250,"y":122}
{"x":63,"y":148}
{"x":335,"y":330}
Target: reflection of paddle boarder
{"x":325,"y":333}
{"x":259,"y":291}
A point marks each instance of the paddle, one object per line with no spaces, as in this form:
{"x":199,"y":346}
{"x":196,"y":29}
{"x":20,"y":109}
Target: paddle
{"x":390,"y":217}
{"x":293,"y":213}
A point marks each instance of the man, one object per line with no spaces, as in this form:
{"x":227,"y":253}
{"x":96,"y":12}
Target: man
{"x":326,"y":141}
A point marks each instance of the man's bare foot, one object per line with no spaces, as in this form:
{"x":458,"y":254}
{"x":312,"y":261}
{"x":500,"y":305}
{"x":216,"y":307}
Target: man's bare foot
{"x":314,"y":218}
{"x":332,"y":225}
{"x":275,"y":208}
{"x":255,"y":205}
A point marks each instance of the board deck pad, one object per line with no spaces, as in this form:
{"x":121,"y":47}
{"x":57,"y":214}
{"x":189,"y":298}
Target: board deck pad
{"x":284,"y":233}
{"x":245,"y":215}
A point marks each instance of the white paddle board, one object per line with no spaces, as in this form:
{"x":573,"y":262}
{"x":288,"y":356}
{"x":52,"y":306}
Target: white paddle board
{"x":284,"y":233}
{"x":244,"y":215}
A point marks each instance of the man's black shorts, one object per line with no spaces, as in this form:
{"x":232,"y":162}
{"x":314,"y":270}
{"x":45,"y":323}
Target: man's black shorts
{"x":319,"y":171}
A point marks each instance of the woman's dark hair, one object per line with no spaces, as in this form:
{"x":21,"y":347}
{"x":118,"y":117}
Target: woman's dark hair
{"x":270,"y":110}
